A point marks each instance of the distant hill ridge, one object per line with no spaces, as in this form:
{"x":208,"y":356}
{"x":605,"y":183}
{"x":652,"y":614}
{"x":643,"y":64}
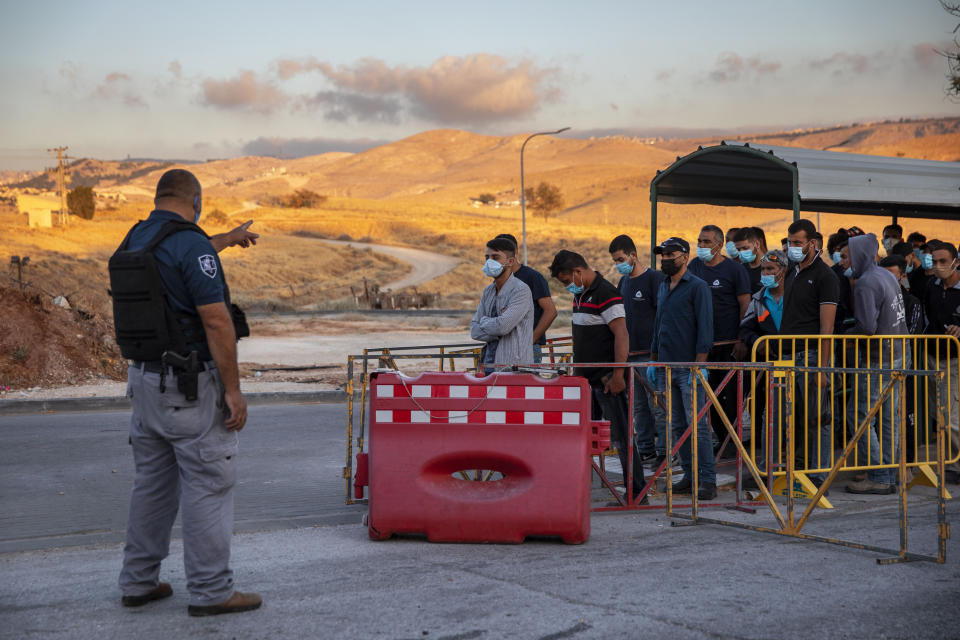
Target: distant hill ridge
{"x":449,"y":164}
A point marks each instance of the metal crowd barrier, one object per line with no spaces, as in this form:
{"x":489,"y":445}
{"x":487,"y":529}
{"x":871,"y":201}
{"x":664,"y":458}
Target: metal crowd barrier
{"x":785,"y":377}
{"x":833,"y":404}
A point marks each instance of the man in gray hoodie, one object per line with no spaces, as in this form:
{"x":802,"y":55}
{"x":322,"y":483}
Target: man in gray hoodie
{"x":878,"y":310}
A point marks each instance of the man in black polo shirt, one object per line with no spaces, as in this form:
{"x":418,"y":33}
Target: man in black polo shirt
{"x":600,"y":335}
{"x":730,"y":291}
{"x":809,"y":308}
{"x":942,"y":302}
{"x":544,"y":311}
{"x":639,"y":287}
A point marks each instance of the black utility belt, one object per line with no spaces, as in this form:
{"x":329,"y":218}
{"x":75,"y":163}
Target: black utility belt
{"x":157,"y":366}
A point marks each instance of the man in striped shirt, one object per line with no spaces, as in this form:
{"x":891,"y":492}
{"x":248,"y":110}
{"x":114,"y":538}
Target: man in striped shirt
{"x":600,"y":336}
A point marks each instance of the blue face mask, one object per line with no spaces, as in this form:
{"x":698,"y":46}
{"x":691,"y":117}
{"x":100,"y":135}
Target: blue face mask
{"x":927,"y":261}
{"x":747,"y":256}
{"x":909,"y":268}
{"x":796,"y":254}
{"x":837,"y":257}
{"x":917,"y":252}
{"x":624,"y":268}
{"x":575,"y":289}
{"x":732,"y":251}
{"x":492,"y":268}
{"x":848,"y":273}
{"x":705,"y":254}
{"x":768,"y":280}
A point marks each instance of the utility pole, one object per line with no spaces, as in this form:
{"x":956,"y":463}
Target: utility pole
{"x":61,"y":182}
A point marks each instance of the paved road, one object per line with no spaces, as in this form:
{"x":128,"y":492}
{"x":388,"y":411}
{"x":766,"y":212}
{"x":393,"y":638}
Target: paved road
{"x":425,"y":265}
{"x":65,"y":478}
{"x":636,"y":577}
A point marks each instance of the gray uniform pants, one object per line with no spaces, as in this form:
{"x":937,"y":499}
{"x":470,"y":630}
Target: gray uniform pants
{"x":185,"y":457}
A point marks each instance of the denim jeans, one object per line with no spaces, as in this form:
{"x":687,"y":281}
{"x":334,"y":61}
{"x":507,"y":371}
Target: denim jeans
{"x":614,"y":409}
{"x":682,"y":416}
{"x":537,"y":353}
{"x":872,"y":449}
{"x":649,"y":420}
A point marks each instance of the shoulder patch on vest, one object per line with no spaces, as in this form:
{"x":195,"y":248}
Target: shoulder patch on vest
{"x":208,"y":264}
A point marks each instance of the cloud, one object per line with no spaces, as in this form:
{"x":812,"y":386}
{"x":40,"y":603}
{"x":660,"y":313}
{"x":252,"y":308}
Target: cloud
{"x":300,"y":147}
{"x":731,"y":67}
{"x":71,"y":72}
{"x":665,"y":74}
{"x":927,"y":54}
{"x":118,"y":85}
{"x":475,"y":89}
{"x":341,"y":106}
{"x":842,"y":63}
{"x":243,"y":92}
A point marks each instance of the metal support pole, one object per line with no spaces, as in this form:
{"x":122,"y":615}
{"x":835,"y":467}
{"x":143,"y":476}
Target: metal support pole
{"x":523,"y":197}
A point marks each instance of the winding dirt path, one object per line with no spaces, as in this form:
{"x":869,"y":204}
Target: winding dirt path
{"x":425,"y":265}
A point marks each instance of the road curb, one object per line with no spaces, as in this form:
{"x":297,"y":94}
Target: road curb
{"x":120,"y":403}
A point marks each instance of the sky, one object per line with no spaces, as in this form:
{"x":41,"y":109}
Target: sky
{"x":198,"y":80}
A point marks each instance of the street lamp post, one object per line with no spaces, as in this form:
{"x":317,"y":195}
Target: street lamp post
{"x":523,"y":197}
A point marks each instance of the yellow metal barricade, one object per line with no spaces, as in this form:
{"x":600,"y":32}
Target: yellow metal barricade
{"x":828,"y":407}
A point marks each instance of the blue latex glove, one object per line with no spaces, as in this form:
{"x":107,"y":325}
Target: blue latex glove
{"x":693,"y":375}
{"x":652,"y":373}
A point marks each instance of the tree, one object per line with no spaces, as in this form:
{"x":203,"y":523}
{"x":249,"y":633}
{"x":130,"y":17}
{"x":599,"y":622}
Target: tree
{"x":302,"y":199}
{"x":81,"y":202}
{"x":544,"y":200}
{"x":953,"y":57}
{"x":486,"y":198}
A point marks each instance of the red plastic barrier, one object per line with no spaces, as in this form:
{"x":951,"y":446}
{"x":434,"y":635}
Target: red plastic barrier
{"x":537,"y":433}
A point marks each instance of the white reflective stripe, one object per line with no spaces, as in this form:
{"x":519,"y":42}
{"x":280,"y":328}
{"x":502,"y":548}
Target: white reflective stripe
{"x":497,"y":392}
{"x":586,"y":319}
{"x":496,"y":417}
{"x":385,"y":390}
{"x":458,"y":416}
{"x":419,"y":416}
{"x":533,"y":417}
{"x":571,"y":393}
{"x":459,"y":391}
{"x":571,"y":417}
{"x":420,"y":391}
{"x":533,"y":393}
{"x":384,"y":416}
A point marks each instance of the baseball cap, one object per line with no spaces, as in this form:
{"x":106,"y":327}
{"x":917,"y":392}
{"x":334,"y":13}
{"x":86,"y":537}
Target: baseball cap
{"x":673,"y":244}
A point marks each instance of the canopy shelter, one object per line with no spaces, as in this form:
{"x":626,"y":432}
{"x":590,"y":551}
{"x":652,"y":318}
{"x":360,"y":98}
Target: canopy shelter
{"x":746,"y":174}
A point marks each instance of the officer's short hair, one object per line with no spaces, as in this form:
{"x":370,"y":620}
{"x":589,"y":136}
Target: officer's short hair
{"x":565,"y":262}
{"x":503,"y":245}
{"x":179,"y":184}
{"x":623,"y":243}
{"x":916,"y":236}
{"x":746,"y":234}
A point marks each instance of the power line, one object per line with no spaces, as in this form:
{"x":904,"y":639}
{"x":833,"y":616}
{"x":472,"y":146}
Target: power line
{"x":61,"y":181}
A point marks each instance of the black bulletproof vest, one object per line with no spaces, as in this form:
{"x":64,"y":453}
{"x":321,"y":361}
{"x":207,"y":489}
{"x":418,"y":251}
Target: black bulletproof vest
{"x":145,"y":323}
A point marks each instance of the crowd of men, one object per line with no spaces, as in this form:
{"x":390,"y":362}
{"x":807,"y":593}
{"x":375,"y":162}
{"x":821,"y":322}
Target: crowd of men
{"x":713,"y":306}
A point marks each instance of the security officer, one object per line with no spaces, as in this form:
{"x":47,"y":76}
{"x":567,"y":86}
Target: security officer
{"x":185,"y":451}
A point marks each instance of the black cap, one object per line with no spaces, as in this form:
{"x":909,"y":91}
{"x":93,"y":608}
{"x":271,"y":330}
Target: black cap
{"x":673,"y":244}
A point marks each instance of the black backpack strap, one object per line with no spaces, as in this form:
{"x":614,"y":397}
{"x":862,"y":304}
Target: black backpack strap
{"x":126,"y":238}
{"x":168,"y":229}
